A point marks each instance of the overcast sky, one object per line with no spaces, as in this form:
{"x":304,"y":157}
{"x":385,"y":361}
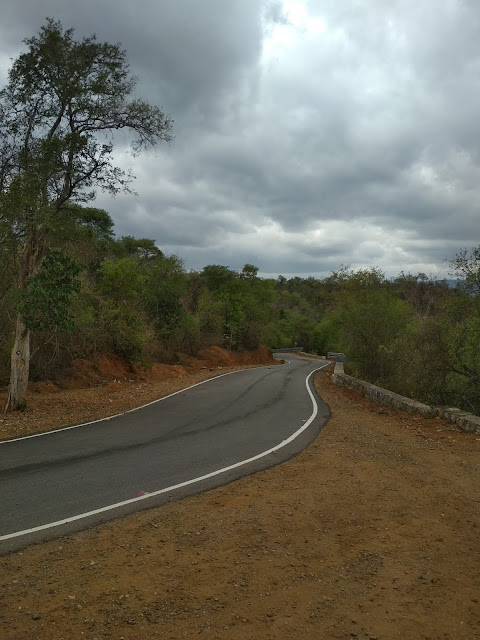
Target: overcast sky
{"x":308,"y":134}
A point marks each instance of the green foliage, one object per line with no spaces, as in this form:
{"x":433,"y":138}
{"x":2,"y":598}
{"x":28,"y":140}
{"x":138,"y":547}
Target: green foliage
{"x":423,"y":294}
{"x":96,"y":223}
{"x":46,"y":299}
{"x":459,"y":331}
{"x":63,"y":100}
{"x":275,"y":337}
{"x":326,"y":335}
{"x":249,"y":272}
{"x":466,"y":267}
{"x":217,"y":277}
{"x":211,"y":314}
{"x":130,"y":247}
{"x":234,"y":305}
{"x":165,"y":284}
{"x":127,"y":329}
{"x":121,"y":280}
{"x":187,"y":335}
{"x":62,"y":97}
{"x":371,"y":319}
{"x":459,"y":328}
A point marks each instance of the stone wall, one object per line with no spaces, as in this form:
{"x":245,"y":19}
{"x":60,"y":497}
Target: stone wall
{"x":463,"y":420}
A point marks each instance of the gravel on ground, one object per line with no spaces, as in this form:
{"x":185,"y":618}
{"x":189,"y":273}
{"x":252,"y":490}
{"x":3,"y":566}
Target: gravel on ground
{"x":371,"y":533}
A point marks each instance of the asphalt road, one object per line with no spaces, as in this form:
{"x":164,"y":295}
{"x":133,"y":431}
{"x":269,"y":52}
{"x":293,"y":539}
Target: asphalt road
{"x":201,"y":437}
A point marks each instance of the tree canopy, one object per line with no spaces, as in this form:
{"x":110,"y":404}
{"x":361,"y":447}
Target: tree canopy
{"x":63,"y":101}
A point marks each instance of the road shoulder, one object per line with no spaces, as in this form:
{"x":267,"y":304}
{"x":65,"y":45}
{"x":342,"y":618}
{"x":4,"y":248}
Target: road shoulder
{"x":372,"y":532}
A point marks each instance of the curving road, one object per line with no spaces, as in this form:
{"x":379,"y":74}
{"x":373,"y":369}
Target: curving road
{"x":233,"y":425}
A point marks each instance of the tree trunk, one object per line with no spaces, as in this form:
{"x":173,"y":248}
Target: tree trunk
{"x":20,"y":358}
{"x":20,"y":365}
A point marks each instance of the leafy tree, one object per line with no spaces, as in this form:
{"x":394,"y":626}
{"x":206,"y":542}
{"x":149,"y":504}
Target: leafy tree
{"x":249,"y":272}
{"x":165,"y":283}
{"x":258,"y":298}
{"x":225,"y":316}
{"x":63,"y":100}
{"x":234,"y":305}
{"x":121,"y":280}
{"x":371,"y":319}
{"x":45,"y":300}
{"x":216,"y":277}
{"x":423,"y":293}
{"x":211,"y":314}
{"x":326,"y":335}
{"x":130,"y":247}
{"x":96,"y":223}
{"x":459,"y":323}
{"x":443,"y":347}
{"x":86,"y":234}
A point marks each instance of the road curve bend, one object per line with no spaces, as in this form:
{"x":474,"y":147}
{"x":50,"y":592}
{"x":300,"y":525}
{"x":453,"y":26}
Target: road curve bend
{"x":207,"y":435}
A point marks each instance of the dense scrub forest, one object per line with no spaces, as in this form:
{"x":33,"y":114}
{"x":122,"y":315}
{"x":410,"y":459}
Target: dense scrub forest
{"x":97,"y":294}
{"x":71,"y":290}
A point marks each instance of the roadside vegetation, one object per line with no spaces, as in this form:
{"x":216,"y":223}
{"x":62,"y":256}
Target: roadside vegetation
{"x":70,"y":289}
{"x":63,"y":101}
{"x":412,"y":334}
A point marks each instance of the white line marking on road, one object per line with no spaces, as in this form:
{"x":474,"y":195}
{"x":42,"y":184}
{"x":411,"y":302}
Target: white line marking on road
{"x":180,"y":485}
{"x":84,"y":424}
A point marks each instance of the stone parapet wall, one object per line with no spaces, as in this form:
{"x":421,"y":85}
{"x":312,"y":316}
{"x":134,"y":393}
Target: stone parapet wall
{"x":465,"y":421}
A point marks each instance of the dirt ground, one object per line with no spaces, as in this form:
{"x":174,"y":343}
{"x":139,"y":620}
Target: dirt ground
{"x":371,"y":533}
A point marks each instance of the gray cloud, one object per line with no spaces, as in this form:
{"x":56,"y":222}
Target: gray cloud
{"x":308,"y":134}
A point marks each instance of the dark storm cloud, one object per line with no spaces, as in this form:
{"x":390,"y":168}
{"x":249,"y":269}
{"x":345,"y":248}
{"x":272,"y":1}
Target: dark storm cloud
{"x":308,"y":134}
{"x":188,"y":52}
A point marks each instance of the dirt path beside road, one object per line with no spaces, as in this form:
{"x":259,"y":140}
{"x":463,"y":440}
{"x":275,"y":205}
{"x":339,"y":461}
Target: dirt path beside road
{"x":371,"y":533}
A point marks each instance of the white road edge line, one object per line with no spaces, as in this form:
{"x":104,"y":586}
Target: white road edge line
{"x":117,"y":505}
{"x":116,"y":415}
